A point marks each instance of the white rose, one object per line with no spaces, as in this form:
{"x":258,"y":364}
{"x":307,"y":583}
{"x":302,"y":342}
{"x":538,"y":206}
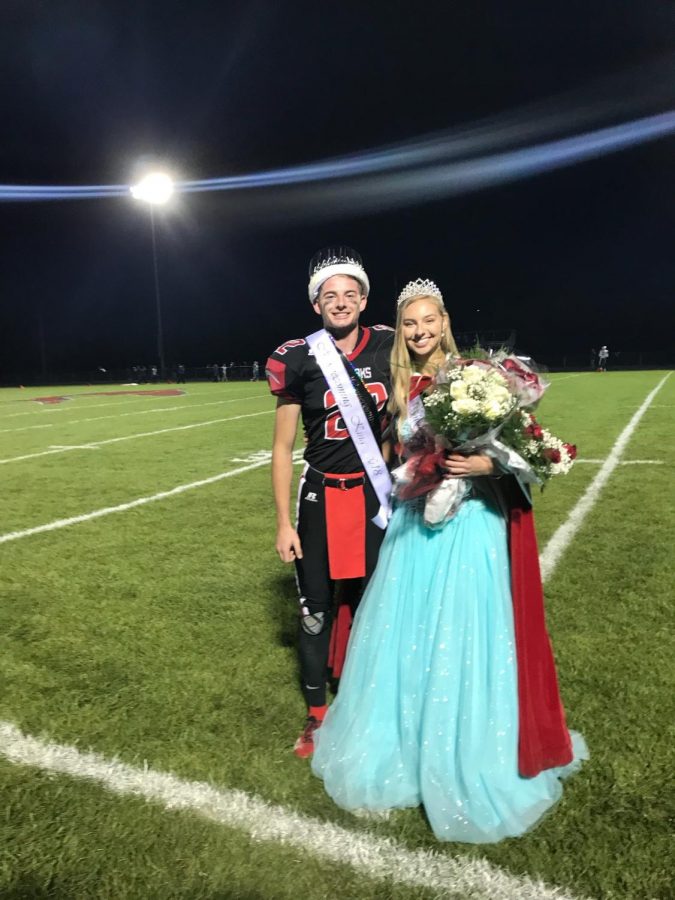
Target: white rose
{"x":465,"y":406}
{"x":492,"y":409}
{"x":472,"y":374}
{"x":458,"y":390}
{"x":498,"y":392}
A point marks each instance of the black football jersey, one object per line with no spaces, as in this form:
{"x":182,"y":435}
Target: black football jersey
{"x":294,"y":374}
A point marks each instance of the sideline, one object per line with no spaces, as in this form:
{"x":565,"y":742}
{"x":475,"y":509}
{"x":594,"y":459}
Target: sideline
{"x":565,"y":533}
{"x":381,"y":859}
{"x":94,"y":445}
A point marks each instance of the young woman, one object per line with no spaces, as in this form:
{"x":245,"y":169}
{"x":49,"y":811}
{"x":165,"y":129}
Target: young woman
{"x":449,"y":695}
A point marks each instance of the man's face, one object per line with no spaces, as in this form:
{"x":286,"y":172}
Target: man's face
{"x":340,"y":302}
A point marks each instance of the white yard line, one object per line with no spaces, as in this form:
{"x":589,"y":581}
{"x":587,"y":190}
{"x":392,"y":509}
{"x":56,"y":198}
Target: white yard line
{"x":93,"y":445}
{"x":554,"y":380}
{"x":136,"y":412}
{"x":66,"y":406}
{"x":566,"y":532}
{"x":140,"y":501}
{"x":380,"y":859}
{"x":625,"y":462}
{"x":123,"y":507}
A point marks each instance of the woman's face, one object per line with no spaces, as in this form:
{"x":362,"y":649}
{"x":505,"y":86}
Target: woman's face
{"x":422,"y":328}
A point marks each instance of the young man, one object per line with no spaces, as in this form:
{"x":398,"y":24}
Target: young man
{"x":335,"y":537}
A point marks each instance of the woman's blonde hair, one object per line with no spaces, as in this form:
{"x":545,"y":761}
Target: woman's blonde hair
{"x":402,"y":366}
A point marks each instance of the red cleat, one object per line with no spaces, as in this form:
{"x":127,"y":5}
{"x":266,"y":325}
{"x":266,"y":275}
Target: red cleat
{"x":304,"y":746}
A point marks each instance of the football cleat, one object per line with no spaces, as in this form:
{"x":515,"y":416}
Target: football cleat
{"x":304,"y":746}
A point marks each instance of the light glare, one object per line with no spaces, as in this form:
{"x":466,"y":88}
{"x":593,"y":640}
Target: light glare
{"x":155,"y":188}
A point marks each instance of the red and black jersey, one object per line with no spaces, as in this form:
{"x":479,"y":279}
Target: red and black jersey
{"x":292,"y":373}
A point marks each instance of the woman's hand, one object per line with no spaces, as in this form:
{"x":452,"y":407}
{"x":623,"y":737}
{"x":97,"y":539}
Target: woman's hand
{"x":456,"y":465}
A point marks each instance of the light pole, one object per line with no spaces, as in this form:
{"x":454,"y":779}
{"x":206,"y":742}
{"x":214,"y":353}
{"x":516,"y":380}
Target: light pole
{"x":155,"y":190}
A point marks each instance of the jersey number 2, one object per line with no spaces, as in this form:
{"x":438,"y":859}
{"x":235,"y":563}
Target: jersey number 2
{"x":335,"y":427}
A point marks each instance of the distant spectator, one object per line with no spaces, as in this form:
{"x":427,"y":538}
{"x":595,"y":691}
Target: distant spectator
{"x":592,"y":362}
{"x":603,"y":356}
{"x":215,"y":372}
{"x":255,"y":371}
{"x":223,"y":369}
{"x":153,"y":374}
{"x":180,"y":374}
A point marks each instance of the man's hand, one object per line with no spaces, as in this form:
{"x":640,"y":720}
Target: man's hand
{"x":288,"y":544}
{"x":458,"y":466}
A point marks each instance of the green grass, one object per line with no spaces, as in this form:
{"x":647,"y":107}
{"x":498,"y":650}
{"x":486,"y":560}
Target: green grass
{"x":165,"y":635}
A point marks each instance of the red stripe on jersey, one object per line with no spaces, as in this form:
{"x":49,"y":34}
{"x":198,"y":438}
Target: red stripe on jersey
{"x":361,"y":346}
{"x":276,"y":378}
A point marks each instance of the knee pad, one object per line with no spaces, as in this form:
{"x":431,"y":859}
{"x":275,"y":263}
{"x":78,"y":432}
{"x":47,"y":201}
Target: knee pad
{"x":311,"y":622}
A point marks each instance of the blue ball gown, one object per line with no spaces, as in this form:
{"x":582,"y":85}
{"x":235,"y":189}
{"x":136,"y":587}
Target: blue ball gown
{"x":427,"y":711}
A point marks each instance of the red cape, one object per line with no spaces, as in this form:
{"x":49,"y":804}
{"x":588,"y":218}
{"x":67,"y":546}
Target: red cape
{"x":543,"y":739}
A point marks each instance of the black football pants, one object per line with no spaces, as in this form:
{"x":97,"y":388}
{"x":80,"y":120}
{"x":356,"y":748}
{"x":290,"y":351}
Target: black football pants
{"x":317,"y":589}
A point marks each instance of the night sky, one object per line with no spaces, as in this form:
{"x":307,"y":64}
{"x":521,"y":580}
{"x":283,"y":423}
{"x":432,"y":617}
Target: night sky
{"x":97,"y":92}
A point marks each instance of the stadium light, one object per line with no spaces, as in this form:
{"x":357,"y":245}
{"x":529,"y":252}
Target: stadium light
{"x":155,"y":190}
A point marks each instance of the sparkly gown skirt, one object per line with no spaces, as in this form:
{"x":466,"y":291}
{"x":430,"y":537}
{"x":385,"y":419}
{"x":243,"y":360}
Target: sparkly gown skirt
{"x":427,"y":710}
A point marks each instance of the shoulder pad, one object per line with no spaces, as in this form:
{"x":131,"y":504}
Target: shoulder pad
{"x":290,"y":345}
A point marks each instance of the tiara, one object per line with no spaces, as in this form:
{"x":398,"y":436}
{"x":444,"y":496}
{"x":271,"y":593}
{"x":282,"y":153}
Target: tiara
{"x":421,"y":287}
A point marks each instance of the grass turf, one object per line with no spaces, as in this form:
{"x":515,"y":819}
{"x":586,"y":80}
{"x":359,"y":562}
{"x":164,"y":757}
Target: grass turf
{"x":165,"y":634}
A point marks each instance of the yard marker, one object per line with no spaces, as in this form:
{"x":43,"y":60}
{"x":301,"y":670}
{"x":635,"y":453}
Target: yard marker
{"x":381,"y":859}
{"x":565,"y":533}
{"x":93,"y":445}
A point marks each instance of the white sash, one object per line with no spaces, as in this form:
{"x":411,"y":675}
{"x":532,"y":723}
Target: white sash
{"x":328,"y":359}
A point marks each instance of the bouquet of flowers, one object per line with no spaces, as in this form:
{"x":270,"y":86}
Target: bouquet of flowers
{"x":546,"y":454}
{"x":477,"y":405}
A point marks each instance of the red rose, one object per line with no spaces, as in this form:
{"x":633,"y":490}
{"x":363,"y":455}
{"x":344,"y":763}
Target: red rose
{"x":552,"y":454}
{"x":534,"y":430}
{"x":571,"y":450}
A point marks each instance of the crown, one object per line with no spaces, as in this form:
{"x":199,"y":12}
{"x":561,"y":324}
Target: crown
{"x":335,"y":261}
{"x":334,"y":256}
{"x":421,"y":287}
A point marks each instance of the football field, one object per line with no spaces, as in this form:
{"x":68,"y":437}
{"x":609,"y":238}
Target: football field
{"x":148,"y":681}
